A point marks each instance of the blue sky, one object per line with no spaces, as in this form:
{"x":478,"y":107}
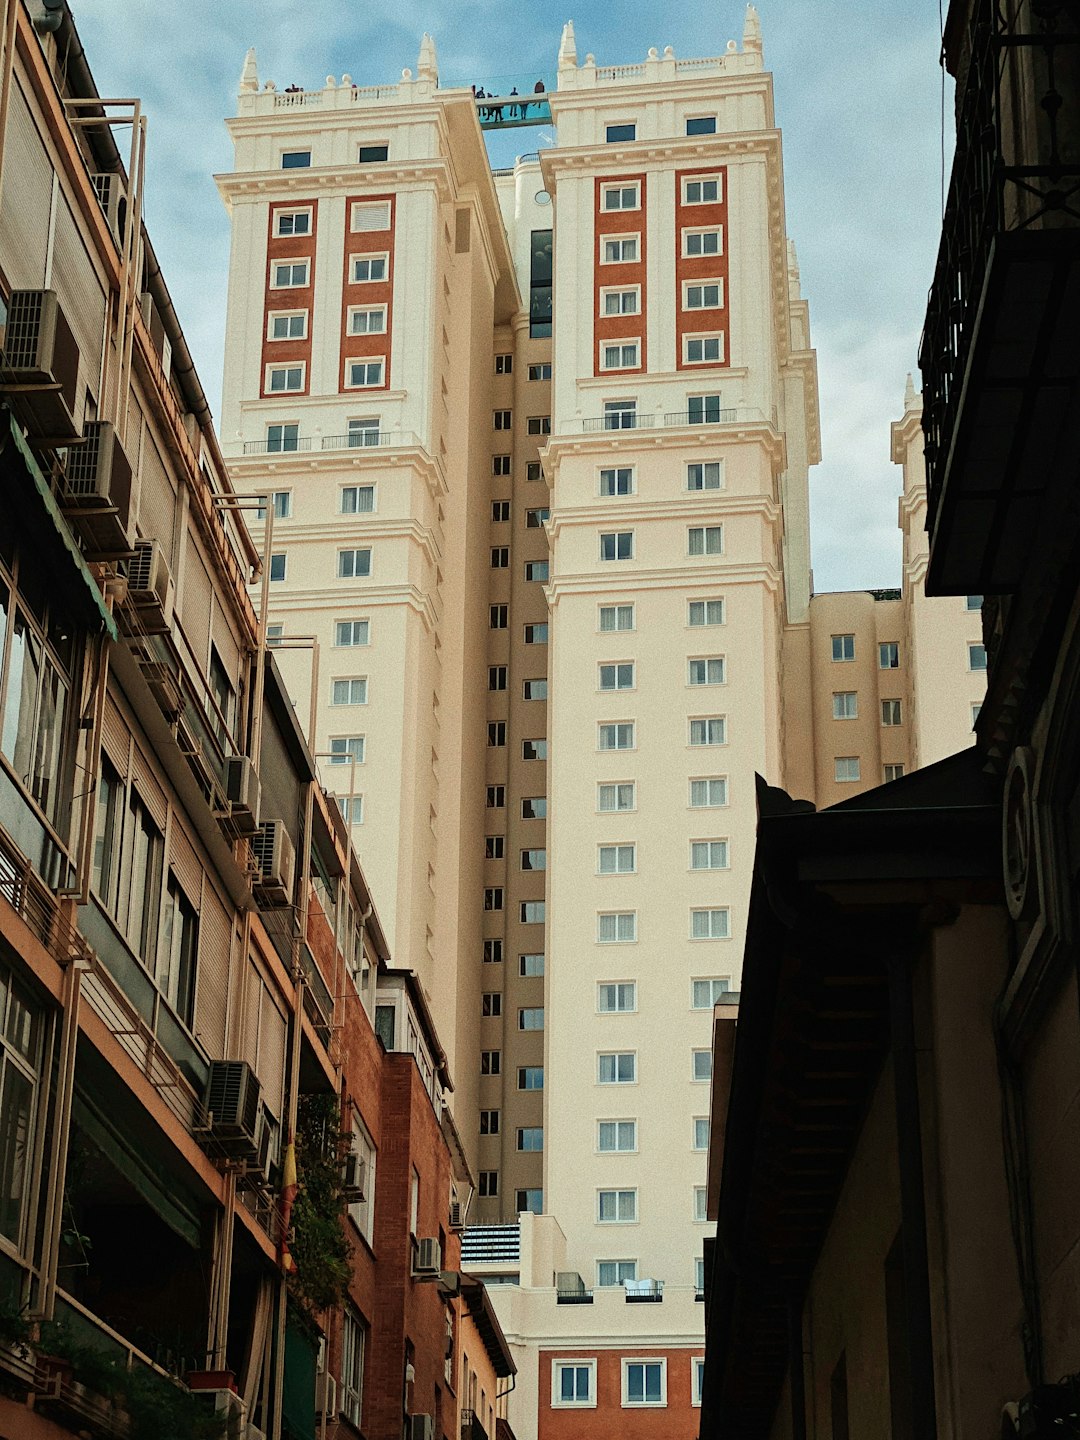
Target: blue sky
{"x":858,"y":97}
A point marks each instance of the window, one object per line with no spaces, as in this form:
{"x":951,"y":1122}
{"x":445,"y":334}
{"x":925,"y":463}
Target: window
{"x":496,"y":733}
{"x":700,"y":1203}
{"x":892,"y":772}
{"x":497,"y":677}
{"x":534,"y":859}
{"x":496,"y":797}
{"x":616,"y":860}
{"x":353,"y":1335}
{"x":976,"y":657}
{"x":616,"y":927}
{"x":500,"y":465}
{"x":537,"y":519}
{"x":541,"y":371}
{"x":500,"y":557}
{"x":708,"y":855}
{"x":703,"y":349}
{"x":493,"y":897}
{"x":706,"y":671}
{"x":289,"y":274}
{"x":615,"y":1272}
{"x":616,"y":1135}
{"x":701,"y":125}
{"x":504,"y":364}
{"x":644,"y":1382}
{"x":701,"y":1067}
{"x":493,"y":951}
{"x":538,"y":425}
{"x":699,"y":1286}
{"x":281,"y":438}
{"x":530,"y":1137}
{"x":357,"y":499}
{"x":534,"y":470}
{"x":530,"y":1200}
{"x":703,"y":190}
{"x":701,"y":1132}
{"x":620,"y":197}
{"x":626,"y":130}
{"x":353,"y":564}
{"x":703,"y":242}
{"x":706,"y":410}
{"x":347,"y":748}
{"x":284,"y":379}
{"x":296,"y":159}
{"x":176,"y":953}
{"x":617,"y":482}
{"x":617,"y":545}
{"x":500,"y":511}
{"x":292,"y":222}
{"x":352,"y":808}
{"x":619,"y":249}
{"x":277,"y":565}
{"x":616,"y":1206}
{"x":709,"y":730}
{"x":616,"y":1067}
{"x":534,"y":807}
{"x":973,"y":602}
{"x":537,"y":634}
{"x":616,"y":996}
{"x":107,"y":839}
{"x":491,"y":1005}
{"x":704,"y":994}
{"x":705,"y":475}
{"x":531,"y":1017}
{"x":890,"y":712}
{"x":351,"y":690}
{"x":616,"y":735}
{"x":488,"y":1186}
{"x":275,"y":633}
{"x":615,"y":676}
{"x":531,"y":967}
{"x":371,"y":155}
{"x":703,"y":295}
{"x":140,"y":880}
{"x":532,"y":912}
{"x":846,"y":767}
{"x":363,"y":373}
{"x":845,"y":705}
{"x":843,"y":647}
{"x":976,"y":710}
{"x":498,"y":617}
{"x":540,"y":276}
{"x":701,"y":613}
{"x":536,"y":570}
{"x":710,"y":924}
{"x":287,"y":325}
{"x":282,"y":500}
{"x":367,"y":320}
{"x":367,"y":269}
{"x":616,"y":617}
{"x":352,"y":632}
{"x":530,"y":1077}
{"x":573,"y":1383}
{"x":889,"y":655}
{"x":362,"y":1212}
{"x":705,"y":540}
{"x":534,"y":749}
{"x":494,"y":847}
{"x":363,"y":433}
{"x":621,"y":302}
{"x":370,"y":215}
{"x":612,"y":798}
{"x":489,"y":1122}
{"x":490,"y":1062}
{"x":620,"y":414}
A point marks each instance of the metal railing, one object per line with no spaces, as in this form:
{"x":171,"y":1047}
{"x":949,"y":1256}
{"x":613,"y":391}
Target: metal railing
{"x":619,"y":420}
{"x":496,"y":1244}
{"x":727,"y":416}
{"x":368,"y":439}
{"x":472,"y":1427}
{"x":279,"y":447}
{"x":1014,"y":168}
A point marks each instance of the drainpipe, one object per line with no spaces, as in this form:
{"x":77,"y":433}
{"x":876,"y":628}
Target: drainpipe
{"x":58,"y":1153}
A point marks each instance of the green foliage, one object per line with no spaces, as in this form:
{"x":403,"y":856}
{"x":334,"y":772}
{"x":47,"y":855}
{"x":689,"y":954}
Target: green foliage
{"x":319,"y":1243}
{"x":14,"y":1326}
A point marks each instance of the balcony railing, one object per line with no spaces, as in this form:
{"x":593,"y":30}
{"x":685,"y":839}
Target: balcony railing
{"x":644,"y":1292}
{"x":728,"y":416}
{"x":1015,"y":170}
{"x":277,"y":447}
{"x":369,"y":439}
{"x":491,"y":1245}
{"x":472,"y":1427}
{"x":619,"y":420}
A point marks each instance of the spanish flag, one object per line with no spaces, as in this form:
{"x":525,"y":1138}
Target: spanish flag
{"x":289,"y":1188}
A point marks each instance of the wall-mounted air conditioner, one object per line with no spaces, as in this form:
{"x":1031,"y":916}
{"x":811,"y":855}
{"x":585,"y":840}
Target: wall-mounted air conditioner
{"x":150,"y":586}
{"x":457,"y":1215}
{"x":97,"y":490}
{"x":274,"y":856}
{"x":325,"y":1396}
{"x":41,"y":366}
{"x":353,"y":1178}
{"x":112,"y":197}
{"x":242,"y":792}
{"x":233,"y":1095}
{"x":428,"y":1260}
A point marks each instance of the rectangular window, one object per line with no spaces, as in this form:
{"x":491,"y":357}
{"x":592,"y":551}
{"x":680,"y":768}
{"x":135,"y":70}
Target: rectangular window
{"x":540,"y":278}
{"x":615,"y":676}
{"x":353,"y":1335}
{"x":362,"y":374}
{"x":846,"y":768}
{"x":537,"y":519}
{"x":620,"y":415}
{"x":504,"y":364}
{"x":500,"y":465}
{"x":845,"y":705}
{"x":534,"y":807}
{"x":701,"y":1132}
{"x":493,"y":897}
{"x":372,"y":155}
{"x":620,"y":197}
{"x":705,"y":475}
{"x":496,"y":797}
{"x":531,"y":1200}
{"x":621,"y":302}
{"x":367,"y":320}
{"x":892,"y":772}
{"x":538,"y":425}
{"x":488,"y":1187}
{"x":493,"y":951}
{"x":618,"y":1207}
{"x":644,"y":1382}
{"x":976,"y":657}
{"x":295,"y":159}
{"x":615,"y":735}
{"x":530,"y":1137}
{"x":705,"y":540}
{"x":492,"y":1004}
{"x":617,"y":545}
{"x":702,"y":190}
{"x":708,"y":855}
{"x":284,"y":379}
{"x":352,"y":808}
{"x":354,"y":564}
{"x":531,"y":1017}
{"x":497,"y":677}
{"x":700,"y":1203}
{"x":616,"y":996}
{"x":702,"y":613}
{"x":494,"y":847}
{"x":616,"y":617}
{"x":490,"y":1062}
{"x":370,"y":215}
{"x":530,"y":1077}
{"x":617,"y":482}
{"x":625,"y":130}
{"x":367,"y":269}
{"x":616,"y":1067}
{"x":536,"y":570}
{"x":890,"y":712}
{"x":709,"y":730}
{"x":287,"y":325}
{"x":615,"y":1272}
{"x":704,"y":994}
{"x":703,"y":295}
{"x":973,"y":602}
{"x":534,"y":690}
{"x":541,"y":371}
{"x":703,"y":242}
{"x":531,"y":967}
{"x":489,"y":1122}
{"x":500,"y":557}
{"x":282,"y":438}
{"x":282,"y":506}
{"x":701,"y":1066}
{"x":619,"y":249}
{"x":889,"y":655}
{"x":843,"y":647}
{"x":357,"y":499}
{"x":278,"y":565}
{"x":532,"y":912}
{"x":573,"y":1383}
{"x":351,"y":632}
{"x":289,"y":274}
{"x":710,"y":924}
{"x":347,"y":748}
{"x":613,"y":798}
{"x":536,"y":634}
{"x":534,"y":749}
{"x":362,"y":433}
{"x":534,"y":859}
{"x":498,"y":616}
{"x":349,"y":691}
{"x":616,"y":860}
{"x":292,"y":222}
{"x":617,"y":927}
{"x":500,"y":511}
{"x":709,"y":670}
{"x":701,"y":125}
{"x":616,"y":1135}
{"x":703,"y":349}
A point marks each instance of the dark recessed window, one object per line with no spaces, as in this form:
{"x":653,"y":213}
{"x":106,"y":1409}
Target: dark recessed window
{"x":296,"y":159}
{"x":615,"y":133}
{"x":701,"y":125}
{"x":371,"y":154}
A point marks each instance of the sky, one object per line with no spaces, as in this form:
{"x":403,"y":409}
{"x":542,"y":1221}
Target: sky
{"x":859,"y":98}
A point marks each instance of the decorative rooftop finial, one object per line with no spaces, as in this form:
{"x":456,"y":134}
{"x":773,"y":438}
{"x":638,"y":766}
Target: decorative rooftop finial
{"x":751,"y":35}
{"x":911,"y":397}
{"x":427,"y":66}
{"x":792,"y":260}
{"x":249,"y":76}
{"x":568,"y":47}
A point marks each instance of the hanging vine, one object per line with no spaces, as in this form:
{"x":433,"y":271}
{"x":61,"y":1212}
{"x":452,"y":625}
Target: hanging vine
{"x":318,"y":1242}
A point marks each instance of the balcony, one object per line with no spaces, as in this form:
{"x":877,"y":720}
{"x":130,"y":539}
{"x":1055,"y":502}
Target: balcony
{"x":355,"y":440}
{"x":644,"y":1292}
{"x":472,"y":1427}
{"x":490,"y":1245}
{"x":998,"y":354}
{"x":618,"y":420}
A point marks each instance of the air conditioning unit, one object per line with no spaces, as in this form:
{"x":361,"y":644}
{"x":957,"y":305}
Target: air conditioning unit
{"x":428,"y":1259}
{"x":353,"y":1178}
{"x":325,"y":1396}
{"x":273,"y":852}
{"x":150,"y":586}
{"x":242,"y":792}
{"x":156,"y":327}
{"x":97,"y":490}
{"x":112,"y":197}
{"x":164,"y":685}
{"x":421,"y":1427}
{"x":41,"y":366}
{"x":457,"y":1215}
{"x":232,"y":1100}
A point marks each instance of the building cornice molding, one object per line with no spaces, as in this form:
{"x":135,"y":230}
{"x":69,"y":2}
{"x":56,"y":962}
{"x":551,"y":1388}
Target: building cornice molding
{"x":345,"y":179}
{"x":339,"y":602}
{"x":712,"y":503}
{"x":671,"y":577}
{"x":619,"y":442}
{"x":290,"y":465}
{"x":598,"y":160}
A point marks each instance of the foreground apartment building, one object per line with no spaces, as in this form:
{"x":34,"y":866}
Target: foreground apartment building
{"x":230,"y":1186}
{"x":538,"y":442}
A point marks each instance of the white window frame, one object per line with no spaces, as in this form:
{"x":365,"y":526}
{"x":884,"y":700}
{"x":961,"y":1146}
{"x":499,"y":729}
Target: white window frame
{"x":617,"y":939}
{"x":619,"y":187}
{"x":616,"y":629}
{"x":616,"y":786}
{"x":702,"y":1120}
{"x":350,"y":680}
{"x":708,"y":721}
{"x":620,"y":290}
{"x":708,"y":661}
{"x":621,"y":239}
{"x":617,"y":471}
{"x":573,"y":1363}
{"x":619,"y":847}
{"x":617,"y":666}
{"x":853,"y":771}
{"x":365,"y":255}
{"x":286,"y":366}
{"x":343,"y":490}
{"x":622,"y":343}
{"x":627,"y":1403}
{"x":719,"y":985}
{"x":366,"y":360}
{"x":705,"y":601}
{"x":688,"y":285}
{"x":704,"y":551}
{"x":720,"y":358}
{"x":710,"y":910}
{"x":705,"y":465}
{"x":707,"y":1054}
{"x":617,"y":1149}
{"x":303,"y":260}
{"x":285,"y":315}
{"x":616,"y":559}
{"x":352,"y":623}
{"x":618,"y":1191}
{"x":369,"y":205}
{"x":689,"y":230}
{"x":697,"y":1379}
{"x":617,"y":1009}
{"x":354,"y":551}
{"x":688,"y":180}
{"x":840,"y":707}
{"x":612,"y":749}
{"x":623,"y":1262}
{"x":355,"y":310}
{"x":615,"y":1054}
{"x":710,"y":841}
{"x":292,"y":210}
{"x":708,"y":780}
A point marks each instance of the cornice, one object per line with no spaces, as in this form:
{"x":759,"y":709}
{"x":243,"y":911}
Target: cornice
{"x":574,"y":159}
{"x":619,"y":442}
{"x":692,"y":507}
{"x":678,"y":577}
{"x":363,"y":459}
{"x":351,"y":179}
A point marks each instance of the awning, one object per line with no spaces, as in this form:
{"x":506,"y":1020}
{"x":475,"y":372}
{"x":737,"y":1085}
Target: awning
{"x":298,"y":1393}
{"x":54,"y":521}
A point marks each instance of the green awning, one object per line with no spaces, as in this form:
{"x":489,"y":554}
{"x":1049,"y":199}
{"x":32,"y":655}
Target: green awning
{"x":298,"y":1393}
{"x":57,"y":522}
{"x":177,"y":1209}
